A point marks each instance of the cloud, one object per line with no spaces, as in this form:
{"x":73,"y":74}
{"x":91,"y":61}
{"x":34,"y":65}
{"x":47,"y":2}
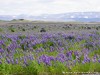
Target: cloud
{"x":37,"y":7}
{"x":45,"y":1}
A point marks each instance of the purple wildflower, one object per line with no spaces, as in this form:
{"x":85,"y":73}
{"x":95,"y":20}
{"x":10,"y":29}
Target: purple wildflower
{"x":8,"y":60}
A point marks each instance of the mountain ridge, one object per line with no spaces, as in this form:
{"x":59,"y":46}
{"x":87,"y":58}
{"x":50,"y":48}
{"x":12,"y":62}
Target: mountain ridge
{"x":72,"y":16}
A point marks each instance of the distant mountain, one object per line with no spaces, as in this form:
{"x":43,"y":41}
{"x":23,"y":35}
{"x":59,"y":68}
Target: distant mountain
{"x":74,"y":16}
{"x":6,"y":17}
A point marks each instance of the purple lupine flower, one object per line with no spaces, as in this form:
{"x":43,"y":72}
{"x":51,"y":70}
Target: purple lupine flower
{"x":60,"y":59}
{"x":8,"y":60}
{"x":1,"y":50}
{"x":21,"y":58}
{"x":51,"y":48}
{"x":25,"y":61}
{"x":62,"y":55}
{"x":86,"y":58}
{"x":96,"y":56}
{"x":0,"y":56}
{"x":69,"y":55}
{"x":78,"y":58}
{"x":0,"y":62}
{"x":51,"y":58}
{"x":85,"y":51}
{"x":40,"y":49}
{"x":99,"y":60}
{"x":45,"y":59}
{"x":61,"y":49}
{"x":79,"y":38}
{"x":2,"y":42}
{"x":74,"y":61}
{"x":12,"y":60}
{"x":60,"y":43}
{"x":39,"y":61}
{"x":94,"y":59}
{"x":76,"y":53}
{"x":83,"y":62}
{"x":16,"y":60}
{"x":31,"y":57}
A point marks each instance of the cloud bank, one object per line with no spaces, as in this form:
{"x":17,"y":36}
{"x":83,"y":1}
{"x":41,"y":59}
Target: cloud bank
{"x":38,"y":7}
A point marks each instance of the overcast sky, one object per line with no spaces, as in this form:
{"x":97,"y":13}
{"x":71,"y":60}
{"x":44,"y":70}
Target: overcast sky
{"x":37,"y":7}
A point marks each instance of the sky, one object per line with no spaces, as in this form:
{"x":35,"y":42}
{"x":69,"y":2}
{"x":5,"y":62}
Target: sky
{"x":38,"y":7}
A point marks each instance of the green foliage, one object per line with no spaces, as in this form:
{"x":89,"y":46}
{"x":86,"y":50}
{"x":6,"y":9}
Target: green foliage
{"x":77,"y":45}
{"x":46,"y":44}
{"x":12,"y":29}
{"x":22,"y":37}
{"x":37,"y":46}
{"x":8,"y":42}
{"x":49,"y":43}
{"x":30,"y":70}
{"x":1,"y":30}
{"x":94,"y":53}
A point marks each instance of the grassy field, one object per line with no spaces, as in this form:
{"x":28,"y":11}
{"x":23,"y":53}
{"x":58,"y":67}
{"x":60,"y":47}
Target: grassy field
{"x":33,"y":48}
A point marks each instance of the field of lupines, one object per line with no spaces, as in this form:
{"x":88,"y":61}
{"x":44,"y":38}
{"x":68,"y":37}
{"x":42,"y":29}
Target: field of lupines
{"x":49,"y":53}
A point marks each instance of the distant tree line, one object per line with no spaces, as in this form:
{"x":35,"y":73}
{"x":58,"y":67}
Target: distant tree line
{"x":18,"y":19}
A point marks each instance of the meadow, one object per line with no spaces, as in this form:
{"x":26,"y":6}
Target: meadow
{"x":50,"y":53}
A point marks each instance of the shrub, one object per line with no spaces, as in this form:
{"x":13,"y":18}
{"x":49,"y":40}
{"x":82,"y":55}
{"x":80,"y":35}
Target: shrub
{"x":42,"y":30}
{"x":23,"y":29}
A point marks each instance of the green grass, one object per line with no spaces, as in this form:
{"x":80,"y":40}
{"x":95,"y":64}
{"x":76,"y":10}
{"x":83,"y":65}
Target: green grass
{"x":1,"y":29}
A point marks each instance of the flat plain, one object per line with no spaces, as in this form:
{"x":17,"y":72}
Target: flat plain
{"x":51,"y":27}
